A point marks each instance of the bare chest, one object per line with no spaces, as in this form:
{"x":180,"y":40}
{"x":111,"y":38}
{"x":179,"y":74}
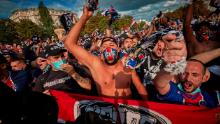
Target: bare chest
{"x":118,"y":79}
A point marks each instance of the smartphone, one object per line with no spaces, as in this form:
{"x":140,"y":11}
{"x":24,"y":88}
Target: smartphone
{"x":93,"y":5}
{"x":67,"y":21}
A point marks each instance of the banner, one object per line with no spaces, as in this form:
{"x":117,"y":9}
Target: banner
{"x":91,"y":109}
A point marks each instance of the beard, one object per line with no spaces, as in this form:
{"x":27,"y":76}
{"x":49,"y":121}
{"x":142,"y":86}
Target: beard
{"x":111,"y":62}
{"x":177,"y":67}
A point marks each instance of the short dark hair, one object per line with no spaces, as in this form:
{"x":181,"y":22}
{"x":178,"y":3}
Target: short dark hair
{"x":126,"y":37}
{"x":20,"y":59}
{"x":109,"y":39}
{"x":2,"y":59}
{"x":197,"y":26}
{"x":203,"y":65}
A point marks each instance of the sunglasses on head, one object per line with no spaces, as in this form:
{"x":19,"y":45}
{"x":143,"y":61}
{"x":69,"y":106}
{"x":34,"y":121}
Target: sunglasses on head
{"x":109,"y":39}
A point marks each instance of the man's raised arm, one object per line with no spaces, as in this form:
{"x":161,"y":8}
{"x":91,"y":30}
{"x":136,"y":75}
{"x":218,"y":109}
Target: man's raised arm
{"x":72,"y":38}
{"x":207,"y":56}
{"x":162,"y":82}
{"x":139,"y":86}
{"x":188,"y":32}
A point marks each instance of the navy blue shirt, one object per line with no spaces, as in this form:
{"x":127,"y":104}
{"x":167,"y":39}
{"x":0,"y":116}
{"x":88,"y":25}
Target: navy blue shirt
{"x":21,"y":79}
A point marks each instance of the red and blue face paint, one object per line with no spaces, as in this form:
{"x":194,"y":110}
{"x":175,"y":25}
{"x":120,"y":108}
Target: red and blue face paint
{"x":136,"y":59}
{"x":110,"y":55}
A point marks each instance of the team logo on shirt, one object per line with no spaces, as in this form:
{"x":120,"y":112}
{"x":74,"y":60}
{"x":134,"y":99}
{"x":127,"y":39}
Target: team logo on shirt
{"x":195,"y":99}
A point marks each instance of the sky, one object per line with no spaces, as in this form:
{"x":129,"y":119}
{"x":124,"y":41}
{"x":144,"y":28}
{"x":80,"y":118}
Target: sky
{"x":139,"y":9}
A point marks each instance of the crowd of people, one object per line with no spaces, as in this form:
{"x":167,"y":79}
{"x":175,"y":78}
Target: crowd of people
{"x":170,"y":61}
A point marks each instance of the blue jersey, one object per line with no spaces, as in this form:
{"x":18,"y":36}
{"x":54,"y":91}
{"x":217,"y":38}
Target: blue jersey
{"x":198,"y":97}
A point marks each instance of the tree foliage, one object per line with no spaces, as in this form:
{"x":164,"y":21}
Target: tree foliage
{"x":7,"y":31}
{"x":26,"y":29}
{"x":15,"y":32}
{"x":123,"y":22}
{"x":199,"y":9}
{"x":138,"y":26}
{"x":177,"y":14}
{"x":46,"y":20}
{"x":98,"y":21}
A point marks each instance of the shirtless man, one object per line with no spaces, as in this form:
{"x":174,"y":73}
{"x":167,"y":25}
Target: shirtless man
{"x":206,"y":39}
{"x":111,"y":77}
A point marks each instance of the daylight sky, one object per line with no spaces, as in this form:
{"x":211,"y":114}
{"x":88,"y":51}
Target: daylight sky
{"x":139,"y":9}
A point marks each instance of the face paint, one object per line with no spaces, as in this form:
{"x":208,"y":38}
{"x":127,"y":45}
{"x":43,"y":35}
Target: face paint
{"x":206,"y":36}
{"x":136,"y":59}
{"x":123,"y":53}
{"x":140,"y":57}
{"x":110,"y":55}
{"x":203,"y":36}
{"x":130,"y":63}
{"x":57,"y":64}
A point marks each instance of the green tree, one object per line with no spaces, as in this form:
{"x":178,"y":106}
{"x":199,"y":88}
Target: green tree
{"x":138,"y":26}
{"x":8,"y":32}
{"x":96,"y":21}
{"x":26,"y":29}
{"x":46,"y":20}
{"x":177,"y":14}
{"x":101,"y":22}
{"x":141,"y":25}
{"x":199,"y":9}
{"x":124,"y":21}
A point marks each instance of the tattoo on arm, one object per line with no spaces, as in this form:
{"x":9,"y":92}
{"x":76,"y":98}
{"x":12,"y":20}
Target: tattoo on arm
{"x":80,"y":79}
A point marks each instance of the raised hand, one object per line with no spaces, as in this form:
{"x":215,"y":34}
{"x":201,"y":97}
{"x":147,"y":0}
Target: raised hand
{"x":86,"y":13}
{"x":175,"y":50}
{"x":67,"y":68}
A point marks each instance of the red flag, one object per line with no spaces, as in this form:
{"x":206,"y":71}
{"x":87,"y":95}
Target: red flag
{"x":73,"y":106}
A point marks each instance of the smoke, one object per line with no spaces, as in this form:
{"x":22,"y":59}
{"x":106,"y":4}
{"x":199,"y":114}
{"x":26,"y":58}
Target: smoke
{"x":176,"y":68}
